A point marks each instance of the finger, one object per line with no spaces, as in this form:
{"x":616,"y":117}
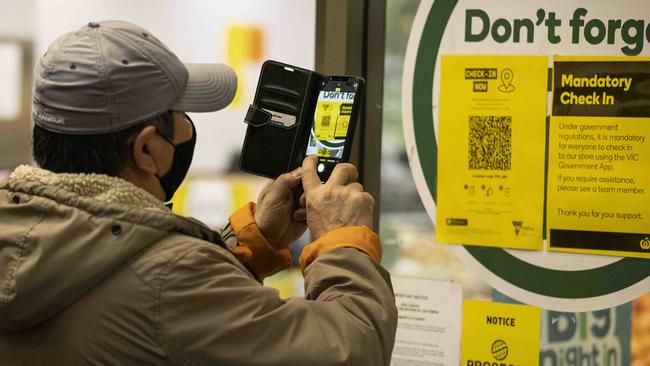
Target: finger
{"x":291,"y":179}
{"x":310,"y":178}
{"x":300,"y":215}
{"x":296,"y":173}
{"x":357,"y":187}
{"x":369,"y":198}
{"x":297,"y":193}
{"x":303,"y":200}
{"x":343,"y":174}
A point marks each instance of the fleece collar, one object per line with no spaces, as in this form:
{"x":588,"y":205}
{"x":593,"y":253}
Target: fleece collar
{"x":96,"y":186}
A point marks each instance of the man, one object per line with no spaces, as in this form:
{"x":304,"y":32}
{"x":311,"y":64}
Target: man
{"x":95,"y":269}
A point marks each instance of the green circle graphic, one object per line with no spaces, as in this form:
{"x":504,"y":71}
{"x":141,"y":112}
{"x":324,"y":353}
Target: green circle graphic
{"x":543,"y":281}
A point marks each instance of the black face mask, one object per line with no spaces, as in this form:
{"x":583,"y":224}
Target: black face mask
{"x":182,"y":159}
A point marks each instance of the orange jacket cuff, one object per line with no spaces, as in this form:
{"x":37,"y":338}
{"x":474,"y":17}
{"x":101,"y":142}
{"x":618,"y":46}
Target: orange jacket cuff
{"x":358,"y":237}
{"x":254,"y":250}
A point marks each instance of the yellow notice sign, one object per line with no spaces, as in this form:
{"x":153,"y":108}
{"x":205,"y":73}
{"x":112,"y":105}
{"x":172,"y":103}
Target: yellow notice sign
{"x":500,"y":334}
{"x":599,"y":156}
{"x":491,"y":150}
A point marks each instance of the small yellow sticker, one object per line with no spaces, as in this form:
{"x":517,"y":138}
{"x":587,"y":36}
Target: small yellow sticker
{"x":324,"y":152}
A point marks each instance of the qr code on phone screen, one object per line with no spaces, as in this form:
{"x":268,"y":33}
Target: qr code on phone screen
{"x":490,"y":142}
{"x":326,"y":121}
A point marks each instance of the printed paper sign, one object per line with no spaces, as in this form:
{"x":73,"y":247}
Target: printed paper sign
{"x":491,"y":150}
{"x":428,"y":328}
{"x":500,"y":334}
{"x":599,"y":156}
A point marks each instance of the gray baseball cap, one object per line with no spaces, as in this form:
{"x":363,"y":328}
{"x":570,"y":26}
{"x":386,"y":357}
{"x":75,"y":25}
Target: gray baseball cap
{"x":111,"y":75}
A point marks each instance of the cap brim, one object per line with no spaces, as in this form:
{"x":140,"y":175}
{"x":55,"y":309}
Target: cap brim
{"x":210,"y":87}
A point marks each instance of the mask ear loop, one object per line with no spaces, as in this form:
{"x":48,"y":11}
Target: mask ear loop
{"x":168,"y":140}
{"x":173,"y":146}
{"x":188,"y":119}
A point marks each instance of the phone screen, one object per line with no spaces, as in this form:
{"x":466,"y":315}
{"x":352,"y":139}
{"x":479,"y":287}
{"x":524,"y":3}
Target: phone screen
{"x":332,"y":119}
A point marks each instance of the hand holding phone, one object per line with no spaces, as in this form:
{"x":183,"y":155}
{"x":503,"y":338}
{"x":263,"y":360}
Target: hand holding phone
{"x":340,"y":202}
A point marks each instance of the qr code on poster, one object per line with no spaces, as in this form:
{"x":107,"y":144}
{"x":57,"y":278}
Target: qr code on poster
{"x":490,"y":142}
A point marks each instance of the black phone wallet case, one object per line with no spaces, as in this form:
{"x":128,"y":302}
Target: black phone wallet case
{"x":279,"y":120}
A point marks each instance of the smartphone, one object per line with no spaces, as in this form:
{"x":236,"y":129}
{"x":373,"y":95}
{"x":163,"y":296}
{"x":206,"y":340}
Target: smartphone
{"x":332,"y":128}
{"x":298,"y":112}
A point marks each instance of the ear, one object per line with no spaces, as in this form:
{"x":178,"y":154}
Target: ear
{"x":147,"y":151}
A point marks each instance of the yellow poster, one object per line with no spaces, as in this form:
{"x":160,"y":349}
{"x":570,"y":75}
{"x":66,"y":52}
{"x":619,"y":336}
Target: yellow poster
{"x":500,"y":334}
{"x":326,"y":117}
{"x":491,"y":150}
{"x":599,"y":156}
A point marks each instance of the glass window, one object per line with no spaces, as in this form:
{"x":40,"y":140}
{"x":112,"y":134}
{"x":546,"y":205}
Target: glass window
{"x":406,"y":230}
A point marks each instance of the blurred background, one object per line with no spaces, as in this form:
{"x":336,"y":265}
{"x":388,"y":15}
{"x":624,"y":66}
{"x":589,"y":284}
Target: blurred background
{"x":243,"y":34}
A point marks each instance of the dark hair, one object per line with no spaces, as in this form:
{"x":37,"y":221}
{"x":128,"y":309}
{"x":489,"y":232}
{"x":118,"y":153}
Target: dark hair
{"x":101,"y":154}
